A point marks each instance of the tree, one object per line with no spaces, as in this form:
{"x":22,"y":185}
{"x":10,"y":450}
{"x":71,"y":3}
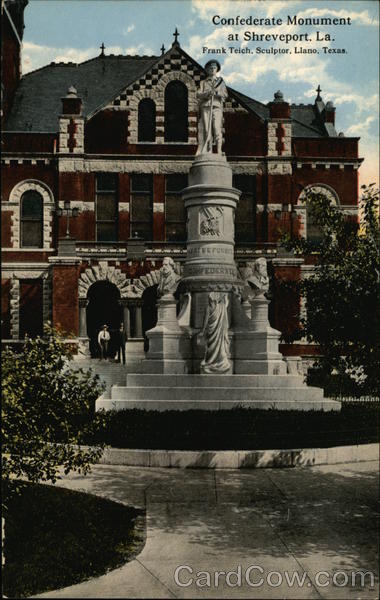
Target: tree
{"x":47,"y":411}
{"x":342,"y":292}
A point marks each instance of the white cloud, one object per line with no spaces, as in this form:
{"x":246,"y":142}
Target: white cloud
{"x":360,"y":129}
{"x":206,"y":9}
{"x":36,"y":56}
{"x":362,"y":102}
{"x":139,"y":49}
{"x":128,"y":29}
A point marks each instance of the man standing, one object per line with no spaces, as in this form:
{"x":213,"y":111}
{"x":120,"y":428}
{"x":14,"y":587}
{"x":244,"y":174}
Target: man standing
{"x":211,"y":95}
{"x":122,"y":340}
{"x":103,"y":341}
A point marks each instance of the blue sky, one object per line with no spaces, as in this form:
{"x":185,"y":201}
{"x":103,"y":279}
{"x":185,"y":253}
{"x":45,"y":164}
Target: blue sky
{"x":72,"y":30}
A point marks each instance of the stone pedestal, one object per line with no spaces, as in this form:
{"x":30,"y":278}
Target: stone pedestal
{"x":169,"y":345}
{"x":134,"y":350}
{"x":256,"y":343}
{"x":66,"y":246}
{"x":83,"y":348}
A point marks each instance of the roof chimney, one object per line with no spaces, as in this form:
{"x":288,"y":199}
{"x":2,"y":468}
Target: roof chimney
{"x":330,"y":113}
{"x":71,"y":104}
{"x":278,"y":108}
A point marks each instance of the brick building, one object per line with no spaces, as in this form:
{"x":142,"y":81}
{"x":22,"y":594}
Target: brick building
{"x":112,"y":139}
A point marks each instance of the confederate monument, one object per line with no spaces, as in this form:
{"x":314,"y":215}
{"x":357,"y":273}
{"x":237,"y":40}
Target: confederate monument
{"x":211,"y":96}
{"x":220,"y":350}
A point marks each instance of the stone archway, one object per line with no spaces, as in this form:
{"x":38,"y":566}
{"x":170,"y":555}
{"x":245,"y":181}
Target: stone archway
{"x":102,"y":272}
{"x":130,"y":299}
{"x":103,"y":307}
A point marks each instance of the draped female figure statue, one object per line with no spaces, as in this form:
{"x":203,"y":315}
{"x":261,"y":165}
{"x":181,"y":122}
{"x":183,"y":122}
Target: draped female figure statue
{"x":215,"y":332}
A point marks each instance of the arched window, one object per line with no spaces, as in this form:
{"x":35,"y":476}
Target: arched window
{"x":31,"y":219}
{"x":176,"y":109}
{"x":311,"y":228}
{"x":147,"y":121}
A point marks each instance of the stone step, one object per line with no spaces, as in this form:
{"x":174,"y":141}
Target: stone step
{"x":233,"y":394}
{"x":109,"y":373}
{"x":276,"y":403}
{"x":207,"y":381}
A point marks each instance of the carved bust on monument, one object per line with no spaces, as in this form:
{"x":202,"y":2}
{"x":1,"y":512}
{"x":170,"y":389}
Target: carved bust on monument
{"x":255,"y":277}
{"x":169,"y":278}
{"x":211,"y":95}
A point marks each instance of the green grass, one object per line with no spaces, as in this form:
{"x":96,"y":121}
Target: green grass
{"x":56,"y":537}
{"x":241,"y":429}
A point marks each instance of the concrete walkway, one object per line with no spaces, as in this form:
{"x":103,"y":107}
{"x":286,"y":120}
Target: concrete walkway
{"x":277,"y":521}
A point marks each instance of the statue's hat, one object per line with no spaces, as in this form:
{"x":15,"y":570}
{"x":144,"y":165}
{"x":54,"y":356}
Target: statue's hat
{"x":212,"y":62}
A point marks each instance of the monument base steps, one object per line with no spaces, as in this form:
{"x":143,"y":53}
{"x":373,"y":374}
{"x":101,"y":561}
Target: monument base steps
{"x":214,"y":392}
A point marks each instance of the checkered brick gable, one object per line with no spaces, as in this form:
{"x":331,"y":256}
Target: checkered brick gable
{"x":171,"y":66}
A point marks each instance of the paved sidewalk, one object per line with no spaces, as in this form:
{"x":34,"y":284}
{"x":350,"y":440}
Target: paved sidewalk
{"x":305,"y":520}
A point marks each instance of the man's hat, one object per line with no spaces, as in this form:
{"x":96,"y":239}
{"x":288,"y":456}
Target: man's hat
{"x":105,"y":326}
{"x":212,"y":62}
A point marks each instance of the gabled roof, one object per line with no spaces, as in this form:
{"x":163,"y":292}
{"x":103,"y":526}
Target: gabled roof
{"x":306,"y":121}
{"x":37,"y":102}
{"x":305,"y":117}
{"x":260,"y":109}
{"x":100,"y":80}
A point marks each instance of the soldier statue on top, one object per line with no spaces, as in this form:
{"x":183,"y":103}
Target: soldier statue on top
{"x":211,"y":95}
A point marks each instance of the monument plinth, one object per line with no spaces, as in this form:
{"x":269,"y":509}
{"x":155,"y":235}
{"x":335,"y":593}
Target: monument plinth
{"x":216,"y":354}
{"x":210,"y":201}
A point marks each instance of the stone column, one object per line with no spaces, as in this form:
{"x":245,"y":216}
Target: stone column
{"x":134,"y":351}
{"x":138,"y":321}
{"x":83,"y":341}
{"x":126,"y":318}
{"x":83,"y":303}
{"x":211,"y":202}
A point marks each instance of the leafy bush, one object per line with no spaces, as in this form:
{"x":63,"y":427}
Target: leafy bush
{"x":342,"y":293}
{"x":47,"y":411}
{"x":241,"y":429}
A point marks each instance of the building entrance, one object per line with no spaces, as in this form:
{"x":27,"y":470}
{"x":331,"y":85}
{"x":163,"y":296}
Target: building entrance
{"x":149,"y":311}
{"x":103,"y":309}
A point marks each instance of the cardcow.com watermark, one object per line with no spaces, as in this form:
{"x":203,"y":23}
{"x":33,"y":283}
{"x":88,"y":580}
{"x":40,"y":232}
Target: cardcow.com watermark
{"x":255,"y":576}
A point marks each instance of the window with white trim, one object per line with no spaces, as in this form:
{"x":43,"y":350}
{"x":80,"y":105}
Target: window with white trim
{"x":31,"y":219}
{"x":106,"y":207}
{"x":141,"y":206}
{"x":175,"y":212}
